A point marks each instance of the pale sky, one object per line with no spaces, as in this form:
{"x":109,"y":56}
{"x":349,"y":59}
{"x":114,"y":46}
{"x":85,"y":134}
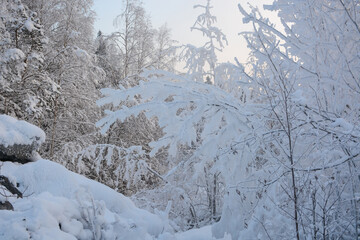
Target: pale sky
{"x":179,"y":15}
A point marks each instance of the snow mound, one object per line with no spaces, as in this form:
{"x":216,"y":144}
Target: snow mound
{"x":29,"y":25}
{"x":59,"y":204}
{"x":13,"y":54}
{"x":204,"y":233}
{"x":13,"y":131}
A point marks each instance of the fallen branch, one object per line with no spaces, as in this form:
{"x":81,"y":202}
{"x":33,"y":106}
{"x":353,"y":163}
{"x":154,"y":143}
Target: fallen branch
{"x":9,"y":186}
{"x":6,"y":206}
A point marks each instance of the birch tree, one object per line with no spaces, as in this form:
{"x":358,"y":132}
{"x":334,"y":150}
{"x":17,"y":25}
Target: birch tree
{"x":201,"y":62}
{"x":305,"y":148}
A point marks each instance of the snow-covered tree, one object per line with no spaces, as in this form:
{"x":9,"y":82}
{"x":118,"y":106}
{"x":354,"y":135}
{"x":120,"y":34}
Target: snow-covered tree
{"x":196,"y":117}
{"x":134,"y":46}
{"x":26,"y":90}
{"x":308,"y":149}
{"x":201,"y":62}
{"x":133,"y":39}
{"x":123,"y":169}
{"x":288,"y":154}
{"x":108,"y":59}
{"x":68,"y":25}
{"x":164,"y":55}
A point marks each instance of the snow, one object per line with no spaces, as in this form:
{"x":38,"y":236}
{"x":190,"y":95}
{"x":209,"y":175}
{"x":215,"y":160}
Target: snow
{"x":13,"y":131}
{"x":343,"y":124}
{"x":62,"y":205}
{"x":85,"y":209}
{"x":297,"y":97}
{"x":203,"y":233}
{"x":82,"y":54}
{"x":13,"y":54}
{"x":301,"y":133}
{"x":32,"y":103}
{"x":29,"y":25}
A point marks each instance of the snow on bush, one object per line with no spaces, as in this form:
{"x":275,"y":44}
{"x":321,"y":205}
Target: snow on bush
{"x":122,"y":169}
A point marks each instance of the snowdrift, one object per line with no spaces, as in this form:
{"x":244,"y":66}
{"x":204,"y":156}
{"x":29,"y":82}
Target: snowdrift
{"x":59,"y":204}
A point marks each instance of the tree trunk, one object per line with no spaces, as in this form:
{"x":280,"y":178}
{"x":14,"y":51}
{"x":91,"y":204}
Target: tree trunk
{"x":314,"y":214}
{"x":214,"y":197}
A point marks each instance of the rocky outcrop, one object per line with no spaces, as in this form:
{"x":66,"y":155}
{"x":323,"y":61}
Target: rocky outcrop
{"x":21,"y":153}
{"x":19,"y":140}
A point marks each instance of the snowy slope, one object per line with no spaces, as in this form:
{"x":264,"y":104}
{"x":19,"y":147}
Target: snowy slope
{"x":59,"y":204}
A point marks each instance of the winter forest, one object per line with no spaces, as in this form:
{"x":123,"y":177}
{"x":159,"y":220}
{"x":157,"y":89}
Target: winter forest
{"x":131,"y":135}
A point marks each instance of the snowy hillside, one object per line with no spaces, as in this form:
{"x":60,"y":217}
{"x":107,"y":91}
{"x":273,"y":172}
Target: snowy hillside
{"x":59,"y":204}
{"x":62,"y":205}
{"x":56,"y":203}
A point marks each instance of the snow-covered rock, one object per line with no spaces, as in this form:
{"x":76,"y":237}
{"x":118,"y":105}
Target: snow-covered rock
{"x":19,"y":139}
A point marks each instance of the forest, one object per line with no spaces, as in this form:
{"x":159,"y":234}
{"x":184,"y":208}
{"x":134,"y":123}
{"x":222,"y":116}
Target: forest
{"x":267,"y":149}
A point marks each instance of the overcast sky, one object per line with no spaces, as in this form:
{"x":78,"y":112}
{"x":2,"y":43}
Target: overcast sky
{"x":179,"y":15}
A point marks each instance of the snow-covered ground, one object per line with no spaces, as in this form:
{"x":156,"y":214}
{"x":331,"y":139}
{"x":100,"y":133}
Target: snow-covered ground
{"x":59,"y":204}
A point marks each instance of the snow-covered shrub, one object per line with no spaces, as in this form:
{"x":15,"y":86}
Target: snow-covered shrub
{"x":124,"y":169}
{"x":201,"y":125}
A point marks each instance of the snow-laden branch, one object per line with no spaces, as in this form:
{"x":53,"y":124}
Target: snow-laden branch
{"x":185,"y":109}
